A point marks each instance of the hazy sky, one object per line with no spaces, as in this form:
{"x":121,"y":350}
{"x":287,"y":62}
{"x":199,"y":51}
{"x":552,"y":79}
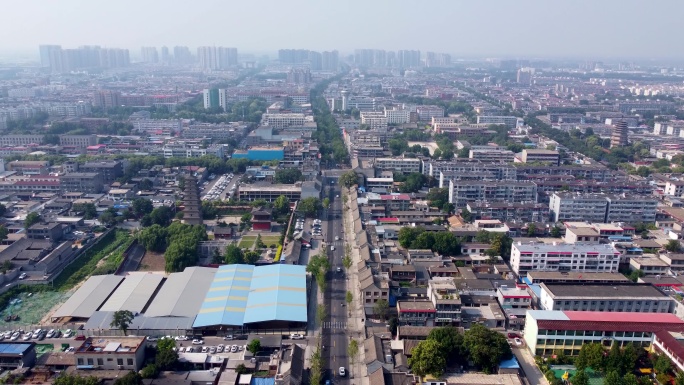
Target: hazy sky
{"x":585,"y":28}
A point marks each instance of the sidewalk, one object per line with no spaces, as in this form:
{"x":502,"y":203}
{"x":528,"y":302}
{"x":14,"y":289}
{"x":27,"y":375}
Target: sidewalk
{"x":355,"y":325}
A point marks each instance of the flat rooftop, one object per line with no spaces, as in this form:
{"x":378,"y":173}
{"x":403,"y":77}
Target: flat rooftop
{"x":111,"y":345}
{"x":616,"y":291}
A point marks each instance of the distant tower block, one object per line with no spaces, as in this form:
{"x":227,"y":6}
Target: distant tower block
{"x":620,"y":135}
{"x":344,"y":100}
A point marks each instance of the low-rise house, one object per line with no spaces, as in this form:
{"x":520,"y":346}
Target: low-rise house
{"x":111,"y":353}
{"x":443,"y":294}
{"x":648,"y":265}
{"x":417,"y":313}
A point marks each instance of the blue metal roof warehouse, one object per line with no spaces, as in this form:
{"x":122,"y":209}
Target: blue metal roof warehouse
{"x":246,"y":294}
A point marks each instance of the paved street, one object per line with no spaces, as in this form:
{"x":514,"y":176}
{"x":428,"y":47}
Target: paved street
{"x":335,"y":338}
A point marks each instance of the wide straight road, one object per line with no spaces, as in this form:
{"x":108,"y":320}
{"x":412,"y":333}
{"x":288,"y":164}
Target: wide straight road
{"x":334,"y":330}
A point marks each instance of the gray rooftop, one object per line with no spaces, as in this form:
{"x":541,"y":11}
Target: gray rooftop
{"x":602,"y":291}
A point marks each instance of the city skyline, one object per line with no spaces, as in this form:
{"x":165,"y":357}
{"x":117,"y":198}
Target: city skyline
{"x":618,"y":29}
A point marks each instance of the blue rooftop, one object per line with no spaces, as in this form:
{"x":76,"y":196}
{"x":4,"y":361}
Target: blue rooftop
{"x":16,"y":349}
{"x":510,"y":364}
{"x":243,"y":294}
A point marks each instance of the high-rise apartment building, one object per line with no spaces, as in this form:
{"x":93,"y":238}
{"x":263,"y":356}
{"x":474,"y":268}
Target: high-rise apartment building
{"x":433,"y":59}
{"x":165,"y":54}
{"x":293,"y":56}
{"x":409,"y":58}
{"x":215,"y":58}
{"x":45,"y":51}
{"x":182,"y":55}
{"x":149,"y":54}
{"x":106,"y":99}
{"x":620,"y":135}
{"x":524,"y":76}
{"x":211,"y":98}
{"x":330,"y":61}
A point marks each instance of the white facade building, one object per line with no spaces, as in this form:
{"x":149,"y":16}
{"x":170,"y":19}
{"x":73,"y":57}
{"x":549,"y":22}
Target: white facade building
{"x":526,"y":257}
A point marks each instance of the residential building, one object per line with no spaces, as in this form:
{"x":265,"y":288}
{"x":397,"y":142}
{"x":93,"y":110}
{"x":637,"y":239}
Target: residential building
{"x":416,"y":313}
{"x":163,"y":126}
{"x":547,"y":332}
{"x":492,"y":155}
{"x":374,"y":120}
{"x":549,"y":157}
{"x":210,"y":96}
{"x":649,"y":265}
{"x":373,"y":287}
{"x":443,"y":293}
{"x":602,"y":208}
{"x":563,"y":257}
{"x":397,"y":115}
{"x":77,"y":141}
{"x":536,"y":277}
{"x":111,"y":170}
{"x":403,"y":165}
{"x":283,"y":120}
{"x":86,"y":182}
{"x":508,"y":121}
{"x":51,"y":231}
{"x":29,"y":167}
{"x":106,"y":99}
{"x":426,"y":113}
{"x":20,"y":140}
{"x":261,"y":153}
{"x":462,"y":192}
{"x":514,"y":297}
{"x":607,"y":297}
{"x":509,"y":211}
{"x":671,"y":345}
{"x":269,"y":192}
{"x":111,"y":353}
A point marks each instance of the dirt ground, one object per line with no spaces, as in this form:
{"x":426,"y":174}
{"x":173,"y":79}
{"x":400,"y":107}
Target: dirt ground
{"x":152,"y":261}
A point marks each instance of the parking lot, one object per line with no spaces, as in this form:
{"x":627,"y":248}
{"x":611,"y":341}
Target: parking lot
{"x":219,"y":188}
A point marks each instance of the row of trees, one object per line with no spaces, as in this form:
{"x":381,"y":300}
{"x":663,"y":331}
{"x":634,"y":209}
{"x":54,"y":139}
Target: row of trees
{"x":235,"y":255}
{"x":447,"y":347}
{"x":443,"y":242}
{"x":178,"y":242}
{"x":327,"y":133}
{"x":500,"y":243}
{"x":318,"y":267}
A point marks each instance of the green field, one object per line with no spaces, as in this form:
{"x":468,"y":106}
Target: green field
{"x":247,"y":241}
{"x":31,"y":309}
{"x":595,"y":378}
{"x":270,"y":240}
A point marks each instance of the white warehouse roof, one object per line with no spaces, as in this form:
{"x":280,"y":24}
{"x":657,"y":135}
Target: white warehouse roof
{"x":89,"y":297}
{"x":134,"y":293}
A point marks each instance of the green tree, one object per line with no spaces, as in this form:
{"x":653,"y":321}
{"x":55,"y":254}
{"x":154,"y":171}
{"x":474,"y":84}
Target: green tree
{"x":629,"y":358}
{"x":145,"y":184}
{"x":531,"y":230}
{"x":673,"y":246}
{"x":613,"y":362}
{"x":679,"y":379}
{"x":31,"y":219}
{"x":349,"y":297}
{"x":88,"y":209}
{"x":347,"y":261}
{"x":149,"y":371}
{"x":321,"y":314}
{"x":580,"y":378}
{"x":142,"y":206}
{"x":428,"y":357}
{"x":555,"y":232}
{"x":309,"y":206}
{"x":349,"y":179}
{"x":3,"y":233}
{"x":414,"y":182}
{"x":162,"y":216}
{"x":181,"y":253}
{"x":241,"y":369}
{"x":254,"y":346}
{"x":281,"y":205}
{"x":108,"y":218}
{"x":166,"y":359}
{"x":166,"y":344}
{"x":316,"y":367}
{"x":381,"y":309}
{"x":407,"y":235}
{"x":353,"y":350}
{"x":181,"y":183}
{"x":590,"y":356}
{"x":75,"y":379}
{"x":153,"y":238}
{"x":233,"y":255}
{"x":121,"y":320}
{"x":631,"y":379}
{"x":612,"y":378}
{"x":251,"y":257}
{"x":635,"y":275}
{"x":452,"y":343}
{"x":662,"y":364}
{"x":326,"y":203}
{"x":486,"y":348}
{"x":318,"y":267}
{"x":130,"y":378}
{"x":288,"y":175}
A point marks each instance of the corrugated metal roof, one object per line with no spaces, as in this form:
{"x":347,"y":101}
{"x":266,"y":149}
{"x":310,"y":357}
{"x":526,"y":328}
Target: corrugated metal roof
{"x":103,"y":319}
{"x":14,"y":349}
{"x":244,"y":294}
{"x":182,"y":293}
{"x":134,"y":293}
{"x":89,"y":297}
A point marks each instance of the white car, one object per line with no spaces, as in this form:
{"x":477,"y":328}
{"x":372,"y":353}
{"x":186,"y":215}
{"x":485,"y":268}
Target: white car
{"x":342,"y":371}
{"x":68,"y":333}
{"x":233,"y":348}
{"x":190,"y":349}
{"x":296,"y":336}
{"x":332,"y":248}
{"x":23,"y":276}
{"x":212,"y":350}
{"x":197,"y":342}
{"x":182,"y":349}
{"x":50,"y":333}
{"x":518,"y":342}
{"x":182,"y":338}
{"x":219,"y":349}
{"x":26,"y":337}
{"x":205,"y":349}
{"x":15,"y":336}
{"x":152,"y":339}
{"x":337,"y":238}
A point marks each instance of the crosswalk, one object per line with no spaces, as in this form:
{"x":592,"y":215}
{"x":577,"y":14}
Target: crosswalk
{"x":334,"y":325}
